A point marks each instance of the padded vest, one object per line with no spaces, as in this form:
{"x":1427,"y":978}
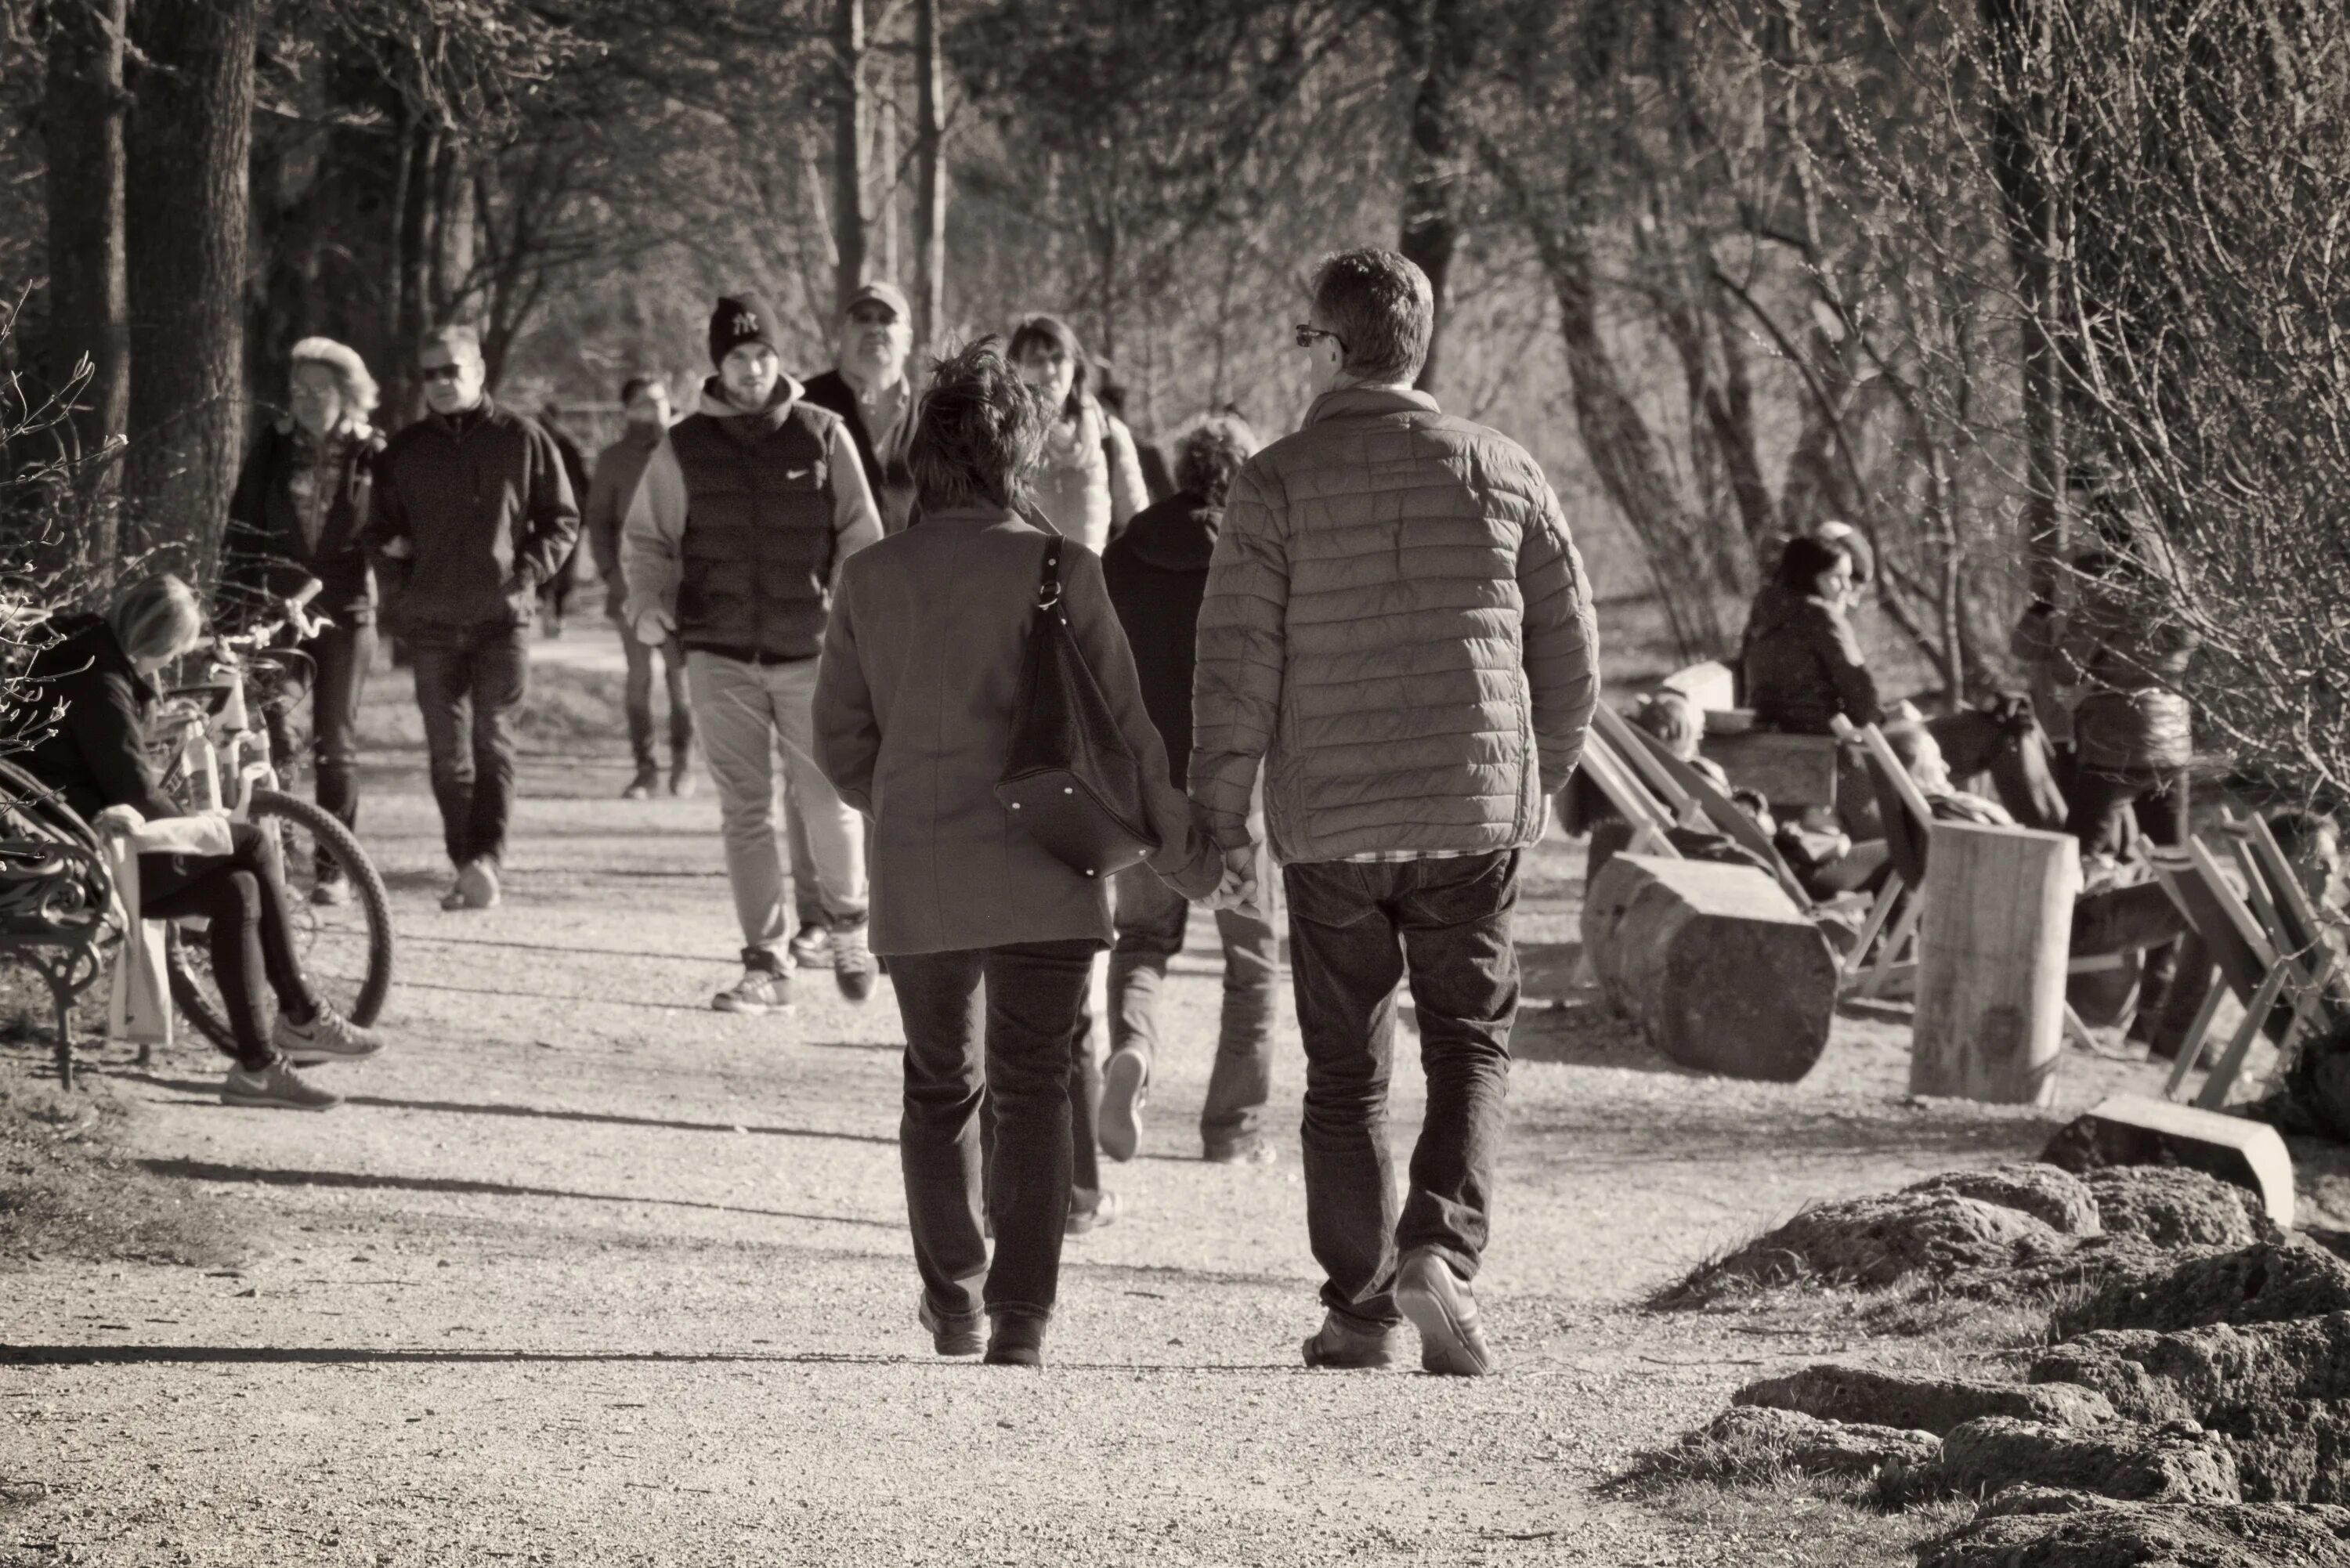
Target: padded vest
{"x":758,"y":545}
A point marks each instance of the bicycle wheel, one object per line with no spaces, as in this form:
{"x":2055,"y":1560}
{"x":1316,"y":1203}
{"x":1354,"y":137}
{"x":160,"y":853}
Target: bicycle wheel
{"x":345,"y":950}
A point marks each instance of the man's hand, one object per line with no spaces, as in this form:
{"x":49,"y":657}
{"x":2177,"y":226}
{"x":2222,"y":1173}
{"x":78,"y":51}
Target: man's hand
{"x":655,"y":627}
{"x":1237,"y":890}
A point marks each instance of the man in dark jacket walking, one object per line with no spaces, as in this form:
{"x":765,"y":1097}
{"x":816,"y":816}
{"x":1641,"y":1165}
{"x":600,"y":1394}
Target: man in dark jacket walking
{"x":870,"y":390}
{"x":732,"y":544}
{"x":1398,"y":632}
{"x":473,"y":505}
{"x":618,"y":468}
{"x":1158,"y":573}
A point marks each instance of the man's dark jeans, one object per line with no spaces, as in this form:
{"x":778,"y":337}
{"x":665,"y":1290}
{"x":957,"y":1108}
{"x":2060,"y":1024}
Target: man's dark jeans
{"x":1152,"y":917}
{"x":469,"y":681}
{"x":1034,"y":995}
{"x":1355,"y":929}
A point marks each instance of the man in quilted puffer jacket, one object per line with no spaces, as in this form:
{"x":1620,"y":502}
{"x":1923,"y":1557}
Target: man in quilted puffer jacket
{"x":1398,"y":631}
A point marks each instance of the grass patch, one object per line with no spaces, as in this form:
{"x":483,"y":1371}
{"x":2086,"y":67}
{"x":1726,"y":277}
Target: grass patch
{"x":1804,"y":1521}
{"x":67,"y":1192}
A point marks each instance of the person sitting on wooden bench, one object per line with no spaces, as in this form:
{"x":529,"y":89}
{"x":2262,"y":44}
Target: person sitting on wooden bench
{"x":94,"y":682}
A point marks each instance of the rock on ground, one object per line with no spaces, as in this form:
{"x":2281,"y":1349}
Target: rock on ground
{"x":2176,"y":1462}
{"x":2173,"y":1207}
{"x":1830,"y":1392}
{"x":2058,"y":1198}
{"x":1876,"y":1241}
{"x":2265,"y":1283}
{"x":2036,"y":1528}
{"x":1750,"y":1443}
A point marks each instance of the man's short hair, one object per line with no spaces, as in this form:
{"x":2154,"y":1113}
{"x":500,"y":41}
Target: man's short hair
{"x":456,"y":337}
{"x":1382,"y":308}
{"x":1209,"y":455}
{"x":978,"y":432}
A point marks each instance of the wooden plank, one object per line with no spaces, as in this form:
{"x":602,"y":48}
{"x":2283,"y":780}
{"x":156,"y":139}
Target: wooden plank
{"x":1629,"y":797}
{"x":1791,"y":772}
{"x":1639,"y":751}
{"x":2133,"y":1129}
{"x":1997,"y":924}
{"x":2231,"y":1061}
{"x":2190,"y":1048}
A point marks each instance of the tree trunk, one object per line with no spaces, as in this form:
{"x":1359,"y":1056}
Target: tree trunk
{"x":90,"y":305}
{"x":191,"y":136}
{"x":2018,"y":29}
{"x":885,"y":163}
{"x":930,"y":301}
{"x":1431,"y":204}
{"x":848,"y":149}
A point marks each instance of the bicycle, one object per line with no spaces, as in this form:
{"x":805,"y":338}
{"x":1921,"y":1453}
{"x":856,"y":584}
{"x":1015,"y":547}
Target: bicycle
{"x":220,"y":760}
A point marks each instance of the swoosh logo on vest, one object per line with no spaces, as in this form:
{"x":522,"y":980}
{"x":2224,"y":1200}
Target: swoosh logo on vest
{"x":798,"y":473}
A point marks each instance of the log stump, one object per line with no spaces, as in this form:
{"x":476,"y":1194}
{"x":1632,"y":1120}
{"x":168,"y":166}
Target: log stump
{"x":1715,"y":963}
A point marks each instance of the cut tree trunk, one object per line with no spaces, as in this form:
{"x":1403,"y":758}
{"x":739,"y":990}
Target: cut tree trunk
{"x":1717,"y":966}
{"x":848,"y":149}
{"x":90,"y":298}
{"x":1993,"y":944}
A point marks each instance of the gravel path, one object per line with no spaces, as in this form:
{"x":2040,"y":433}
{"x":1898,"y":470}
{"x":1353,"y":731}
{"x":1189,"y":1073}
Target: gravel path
{"x":586,"y":1273}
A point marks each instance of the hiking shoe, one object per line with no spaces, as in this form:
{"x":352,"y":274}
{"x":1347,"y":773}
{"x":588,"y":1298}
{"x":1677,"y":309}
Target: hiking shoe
{"x":327,"y":1037}
{"x":952,"y":1336}
{"x":1100,"y":1211}
{"x":1018,"y":1340}
{"x":1256,"y":1152}
{"x":641,"y":786}
{"x":1441,"y":1307}
{"x":760,"y":991}
{"x":1349,"y":1347}
{"x":331,"y":892}
{"x":852,"y":962}
{"x":1125,"y":1089}
{"x":811,"y":947}
{"x":276,"y":1087}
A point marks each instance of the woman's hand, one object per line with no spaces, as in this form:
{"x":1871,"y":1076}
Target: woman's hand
{"x":119,"y":821}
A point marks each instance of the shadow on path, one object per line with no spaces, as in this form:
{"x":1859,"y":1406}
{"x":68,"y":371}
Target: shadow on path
{"x":333,"y":1355}
{"x":570,"y":998}
{"x":541,"y":1113}
{"x":205,"y":1170}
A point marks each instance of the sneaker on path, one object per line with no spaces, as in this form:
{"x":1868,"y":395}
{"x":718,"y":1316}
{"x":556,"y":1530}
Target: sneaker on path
{"x":1259,"y":1151}
{"x":811,"y":947}
{"x":682,"y":781}
{"x":331,"y":892}
{"x":1125,"y":1089}
{"x":1441,"y":1306}
{"x":1341,"y":1345}
{"x":641,"y":786}
{"x":327,"y":1037}
{"x":479,"y":882}
{"x":275,"y":1088}
{"x":852,"y":962}
{"x":1104,"y":1210}
{"x":760,"y":991}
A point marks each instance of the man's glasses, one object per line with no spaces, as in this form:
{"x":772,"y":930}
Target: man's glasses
{"x":1307,"y":335}
{"x":877,"y":316}
{"x":449,"y":373}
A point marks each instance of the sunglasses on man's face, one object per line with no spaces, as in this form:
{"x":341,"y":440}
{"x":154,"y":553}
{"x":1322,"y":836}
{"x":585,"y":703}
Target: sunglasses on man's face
{"x":1307,"y":336}
{"x":874,"y":315}
{"x":452,"y":373}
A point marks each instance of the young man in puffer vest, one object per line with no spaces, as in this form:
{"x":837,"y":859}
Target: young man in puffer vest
{"x":745,"y":514}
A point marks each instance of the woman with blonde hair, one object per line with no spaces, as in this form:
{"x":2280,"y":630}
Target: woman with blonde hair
{"x":292,"y":554}
{"x":89,"y":706}
{"x":1089,"y":483}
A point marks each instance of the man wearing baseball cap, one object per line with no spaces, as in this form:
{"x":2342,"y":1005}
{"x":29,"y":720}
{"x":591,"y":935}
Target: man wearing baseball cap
{"x":870,"y":390}
{"x":745,"y":512}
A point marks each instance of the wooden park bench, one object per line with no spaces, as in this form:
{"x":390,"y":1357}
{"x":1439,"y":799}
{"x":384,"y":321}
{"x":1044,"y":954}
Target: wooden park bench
{"x":58,"y":907}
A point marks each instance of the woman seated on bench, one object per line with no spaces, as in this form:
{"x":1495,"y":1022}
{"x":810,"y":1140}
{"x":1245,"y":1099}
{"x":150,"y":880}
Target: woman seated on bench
{"x":93,"y":683}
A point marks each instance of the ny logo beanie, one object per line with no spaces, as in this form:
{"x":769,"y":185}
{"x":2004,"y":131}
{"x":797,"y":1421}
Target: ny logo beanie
{"x":740,"y":318}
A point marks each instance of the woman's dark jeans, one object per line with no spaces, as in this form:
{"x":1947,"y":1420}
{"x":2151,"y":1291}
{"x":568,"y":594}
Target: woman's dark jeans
{"x":1026,"y":1024}
{"x":1355,"y":929}
{"x":243,"y":895}
{"x":343,"y":655}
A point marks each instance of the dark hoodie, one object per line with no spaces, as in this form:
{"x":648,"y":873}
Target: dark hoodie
{"x":1804,"y":666}
{"x":96,"y":756}
{"x":1157,"y":574}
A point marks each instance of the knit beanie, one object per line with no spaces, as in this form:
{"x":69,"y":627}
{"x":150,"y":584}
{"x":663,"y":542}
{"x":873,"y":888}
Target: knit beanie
{"x":740,"y":318}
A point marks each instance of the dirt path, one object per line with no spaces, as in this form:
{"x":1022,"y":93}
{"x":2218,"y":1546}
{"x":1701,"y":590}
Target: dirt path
{"x":586,"y":1273}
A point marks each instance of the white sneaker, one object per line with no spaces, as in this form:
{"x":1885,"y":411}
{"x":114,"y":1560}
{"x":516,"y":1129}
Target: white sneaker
{"x":760,"y":991}
{"x":478,"y":881}
{"x":275,"y":1088}
{"x":327,"y":1037}
{"x":811,"y":947}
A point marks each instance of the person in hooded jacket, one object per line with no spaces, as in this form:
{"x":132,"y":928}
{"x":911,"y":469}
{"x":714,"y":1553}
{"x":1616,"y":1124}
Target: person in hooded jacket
{"x":293,"y":554}
{"x":1158,"y":575}
{"x":1089,"y":484}
{"x":1804,"y":665}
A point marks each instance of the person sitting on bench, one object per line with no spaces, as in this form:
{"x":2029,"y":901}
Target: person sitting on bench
{"x":90,"y":703}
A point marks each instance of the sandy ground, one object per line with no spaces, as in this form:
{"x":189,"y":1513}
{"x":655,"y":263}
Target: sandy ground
{"x":587,"y":1273}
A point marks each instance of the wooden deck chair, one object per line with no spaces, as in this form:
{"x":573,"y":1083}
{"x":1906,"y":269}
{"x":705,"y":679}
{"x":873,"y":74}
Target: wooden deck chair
{"x":2279,"y":990}
{"x":1712,"y":809}
{"x":1652,"y":821}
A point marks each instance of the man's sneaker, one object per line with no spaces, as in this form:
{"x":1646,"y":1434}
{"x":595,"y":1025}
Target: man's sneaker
{"x":478,"y":880}
{"x":1256,"y":1152}
{"x":331,"y":892}
{"x":1125,"y":1089}
{"x":641,"y":786}
{"x":275,"y":1088}
{"x":952,"y":1336}
{"x":811,"y":947}
{"x":1099,"y":1212}
{"x":1349,"y":1347}
{"x":682,"y":779}
{"x":852,"y":962}
{"x":1441,"y":1307}
{"x":760,"y":991}
{"x":327,"y":1037}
